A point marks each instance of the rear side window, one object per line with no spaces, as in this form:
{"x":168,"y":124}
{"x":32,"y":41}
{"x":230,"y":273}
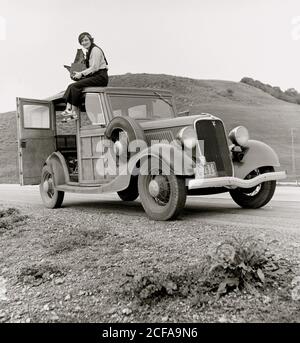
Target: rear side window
{"x":36,"y":116}
{"x":94,"y":110}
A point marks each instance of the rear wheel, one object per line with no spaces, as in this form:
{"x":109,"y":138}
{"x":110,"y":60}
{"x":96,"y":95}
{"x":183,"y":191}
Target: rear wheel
{"x":50,"y":196}
{"x":257,"y":196}
{"x":162,"y":196}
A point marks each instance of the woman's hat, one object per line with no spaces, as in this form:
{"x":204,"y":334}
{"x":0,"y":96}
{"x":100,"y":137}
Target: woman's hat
{"x":85,"y":34}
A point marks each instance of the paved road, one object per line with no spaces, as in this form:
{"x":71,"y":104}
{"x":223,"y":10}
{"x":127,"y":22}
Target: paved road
{"x":282,"y":212}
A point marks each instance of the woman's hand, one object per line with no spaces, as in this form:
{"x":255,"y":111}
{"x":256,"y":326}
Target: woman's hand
{"x":77,"y":76}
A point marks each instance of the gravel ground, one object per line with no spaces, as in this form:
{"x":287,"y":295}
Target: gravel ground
{"x":71,"y":264}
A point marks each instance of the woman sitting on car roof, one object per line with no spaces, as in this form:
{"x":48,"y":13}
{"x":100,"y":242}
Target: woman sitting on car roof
{"x":95,"y":75}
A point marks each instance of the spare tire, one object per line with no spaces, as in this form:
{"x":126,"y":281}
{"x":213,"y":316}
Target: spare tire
{"x":127,"y":124}
{"x":134,"y":132}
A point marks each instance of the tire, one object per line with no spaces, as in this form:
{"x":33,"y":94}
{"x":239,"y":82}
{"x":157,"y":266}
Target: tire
{"x":258,"y":196}
{"x":124,"y":130}
{"x":131,"y":193}
{"x":170,"y":207}
{"x":51,"y":198}
{"x":128,"y":124}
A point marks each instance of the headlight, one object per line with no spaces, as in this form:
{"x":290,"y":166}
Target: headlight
{"x":239,"y":136}
{"x":188,"y":137}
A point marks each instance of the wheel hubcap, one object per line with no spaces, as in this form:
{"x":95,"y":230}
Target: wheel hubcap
{"x":159,"y":189}
{"x":154,"y":188}
{"x":46,"y":186}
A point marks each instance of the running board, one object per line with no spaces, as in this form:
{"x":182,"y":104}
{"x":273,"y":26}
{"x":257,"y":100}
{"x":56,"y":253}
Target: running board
{"x":81,"y":189}
{"x":119,"y":183}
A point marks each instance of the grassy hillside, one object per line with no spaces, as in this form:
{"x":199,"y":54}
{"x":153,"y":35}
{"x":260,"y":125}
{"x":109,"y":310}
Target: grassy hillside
{"x":267,"y":118}
{"x":290,"y":95}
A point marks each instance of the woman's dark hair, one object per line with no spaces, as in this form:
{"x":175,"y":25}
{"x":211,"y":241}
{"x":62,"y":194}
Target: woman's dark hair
{"x":87,"y":58}
{"x":85,"y":34}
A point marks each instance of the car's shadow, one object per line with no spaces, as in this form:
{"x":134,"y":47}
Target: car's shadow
{"x":134,"y":208}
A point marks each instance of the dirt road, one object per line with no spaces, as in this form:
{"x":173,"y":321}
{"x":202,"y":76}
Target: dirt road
{"x":282,"y":212}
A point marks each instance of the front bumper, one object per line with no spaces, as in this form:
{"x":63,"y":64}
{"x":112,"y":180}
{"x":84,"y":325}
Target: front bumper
{"x":233,"y":182}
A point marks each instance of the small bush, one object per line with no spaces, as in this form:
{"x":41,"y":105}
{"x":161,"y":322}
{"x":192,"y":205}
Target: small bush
{"x":79,"y":239}
{"x":154,"y":285}
{"x":244,"y":264}
{"x":35,"y":275}
{"x":8,"y":212}
{"x":9,"y":218}
{"x":226,"y":93}
{"x":230,"y":91}
{"x":235,"y":264}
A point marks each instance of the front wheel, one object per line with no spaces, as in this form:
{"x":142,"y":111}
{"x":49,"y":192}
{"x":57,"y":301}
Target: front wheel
{"x":50,"y":196}
{"x":162,"y":196}
{"x":257,"y":196}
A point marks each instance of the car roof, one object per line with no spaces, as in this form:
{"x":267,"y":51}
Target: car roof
{"x":116,"y":90}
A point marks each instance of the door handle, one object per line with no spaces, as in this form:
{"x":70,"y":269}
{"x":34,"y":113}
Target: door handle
{"x":23,"y":143}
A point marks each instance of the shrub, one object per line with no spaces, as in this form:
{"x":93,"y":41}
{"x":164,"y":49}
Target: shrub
{"x":290,"y":95}
{"x":291,"y":92}
{"x":37,"y":274}
{"x":230,"y":91}
{"x":154,"y":285}
{"x":226,"y":93}
{"x":9,"y":218}
{"x":80,"y":238}
{"x":244,"y":264}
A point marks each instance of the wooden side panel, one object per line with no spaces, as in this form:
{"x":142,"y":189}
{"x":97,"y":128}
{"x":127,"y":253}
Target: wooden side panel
{"x":93,"y":161}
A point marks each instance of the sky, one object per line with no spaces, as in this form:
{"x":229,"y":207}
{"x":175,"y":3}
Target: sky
{"x":201,"y":39}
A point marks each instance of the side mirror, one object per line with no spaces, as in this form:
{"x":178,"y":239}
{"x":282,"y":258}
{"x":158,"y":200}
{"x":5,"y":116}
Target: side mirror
{"x":184,"y":113}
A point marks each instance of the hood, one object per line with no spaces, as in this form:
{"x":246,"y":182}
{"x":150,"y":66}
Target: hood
{"x":175,"y":122}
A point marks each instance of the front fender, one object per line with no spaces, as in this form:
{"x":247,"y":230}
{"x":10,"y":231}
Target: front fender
{"x":173,"y":158}
{"x":258,"y":155}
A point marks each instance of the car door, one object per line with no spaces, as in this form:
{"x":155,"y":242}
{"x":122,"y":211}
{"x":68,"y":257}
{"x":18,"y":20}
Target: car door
{"x":36,"y":137}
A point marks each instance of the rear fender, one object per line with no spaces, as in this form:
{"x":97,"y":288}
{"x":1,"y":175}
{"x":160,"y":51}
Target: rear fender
{"x":258,"y":155}
{"x":59,"y":168}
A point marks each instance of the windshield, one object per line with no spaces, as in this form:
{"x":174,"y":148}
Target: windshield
{"x":142,"y":107}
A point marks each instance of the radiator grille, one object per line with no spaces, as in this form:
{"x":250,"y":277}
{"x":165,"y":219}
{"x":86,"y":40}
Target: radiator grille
{"x":212,"y":133}
{"x":159,"y":135}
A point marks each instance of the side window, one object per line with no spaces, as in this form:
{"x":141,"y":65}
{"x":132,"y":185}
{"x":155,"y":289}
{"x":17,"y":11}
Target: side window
{"x":162,"y":109}
{"x":136,"y":107}
{"x":94,"y":110}
{"x":36,"y":116}
{"x":138,"y":112}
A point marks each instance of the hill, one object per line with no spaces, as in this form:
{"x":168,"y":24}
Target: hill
{"x":267,"y":118}
{"x":290,"y":95}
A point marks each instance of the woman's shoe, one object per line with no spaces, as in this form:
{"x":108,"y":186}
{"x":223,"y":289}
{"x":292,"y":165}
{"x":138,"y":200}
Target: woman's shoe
{"x":67,"y":113}
{"x":69,"y":118}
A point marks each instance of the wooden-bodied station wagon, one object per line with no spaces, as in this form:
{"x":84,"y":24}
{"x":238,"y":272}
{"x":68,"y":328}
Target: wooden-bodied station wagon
{"x":180,"y":156}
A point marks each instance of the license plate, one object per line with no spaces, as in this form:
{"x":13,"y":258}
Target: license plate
{"x":210,"y":169}
{"x":207,"y":170}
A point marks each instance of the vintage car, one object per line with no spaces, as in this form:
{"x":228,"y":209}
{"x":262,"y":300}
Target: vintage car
{"x":177,"y":156}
